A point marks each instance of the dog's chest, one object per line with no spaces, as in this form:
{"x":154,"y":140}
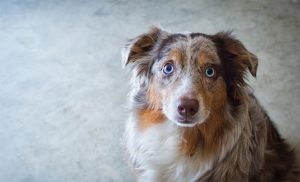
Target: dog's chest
{"x":156,"y":153}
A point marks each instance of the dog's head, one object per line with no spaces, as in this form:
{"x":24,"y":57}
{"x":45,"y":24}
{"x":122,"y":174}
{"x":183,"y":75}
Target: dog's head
{"x":188,"y":76}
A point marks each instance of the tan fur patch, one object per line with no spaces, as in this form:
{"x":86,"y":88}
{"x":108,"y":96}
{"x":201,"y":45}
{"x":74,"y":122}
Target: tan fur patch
{"x":176,"y":55}
{"x":207,"y":135}
{"x":192,"y":137}
{"x":218,"y":98}
{"x":153,"y":97}
{"x":213,"y":130}
{"x":202,"y":59}
{"x":205,"y":58}
{"x":150,"y":117}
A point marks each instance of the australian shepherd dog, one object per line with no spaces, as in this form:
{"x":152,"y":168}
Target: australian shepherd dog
{"x":193,"y":116}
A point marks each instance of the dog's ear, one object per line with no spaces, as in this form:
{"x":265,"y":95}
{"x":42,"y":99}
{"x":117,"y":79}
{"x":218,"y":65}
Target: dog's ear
{"x":140,"y":53}
{"x":236,"y":60}
{"x":139,"y":48}
{"x":242,"y":57}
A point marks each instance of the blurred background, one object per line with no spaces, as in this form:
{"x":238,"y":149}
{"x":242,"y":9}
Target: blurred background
{"x":63,"y":91}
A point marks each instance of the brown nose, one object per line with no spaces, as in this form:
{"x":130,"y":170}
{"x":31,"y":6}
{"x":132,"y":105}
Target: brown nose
{"x":188,"y":107}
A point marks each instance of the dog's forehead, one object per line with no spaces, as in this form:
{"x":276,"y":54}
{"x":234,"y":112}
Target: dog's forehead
{"x":202,"y":43}
{"x":191,"y":45}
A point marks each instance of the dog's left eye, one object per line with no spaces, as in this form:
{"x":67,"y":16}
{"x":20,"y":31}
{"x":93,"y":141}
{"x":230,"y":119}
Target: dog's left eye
{"x":168,"y":69}
{"x":210,"y":72}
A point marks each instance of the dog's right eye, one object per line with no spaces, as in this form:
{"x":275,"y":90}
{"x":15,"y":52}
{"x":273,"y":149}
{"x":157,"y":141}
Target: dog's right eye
{"x":168,"y":69}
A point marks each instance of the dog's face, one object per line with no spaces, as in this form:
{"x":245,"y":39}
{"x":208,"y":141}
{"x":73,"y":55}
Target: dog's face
{"x":187,"y":79}
{"x":188,"y":76}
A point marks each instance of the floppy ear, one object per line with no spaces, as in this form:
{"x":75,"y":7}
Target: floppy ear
{"x":242,"y":56}
{"x":139,"y":47}
{"x":140,"y":53}
{"x":237,"y":60}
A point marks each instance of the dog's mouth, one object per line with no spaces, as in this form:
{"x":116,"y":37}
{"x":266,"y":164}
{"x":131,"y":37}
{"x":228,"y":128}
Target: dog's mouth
{"x":185,"y":121}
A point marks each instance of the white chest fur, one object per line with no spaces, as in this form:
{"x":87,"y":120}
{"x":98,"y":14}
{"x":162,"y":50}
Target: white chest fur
{"x":156,"y":153}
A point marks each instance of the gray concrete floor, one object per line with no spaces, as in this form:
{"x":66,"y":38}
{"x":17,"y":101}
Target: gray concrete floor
{"x":63,"y":91}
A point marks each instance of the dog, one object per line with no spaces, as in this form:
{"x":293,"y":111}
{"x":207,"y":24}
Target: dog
{"x":193,"y":116}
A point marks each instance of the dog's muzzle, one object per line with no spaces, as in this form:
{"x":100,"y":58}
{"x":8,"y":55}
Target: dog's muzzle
{"x":187,"y":109}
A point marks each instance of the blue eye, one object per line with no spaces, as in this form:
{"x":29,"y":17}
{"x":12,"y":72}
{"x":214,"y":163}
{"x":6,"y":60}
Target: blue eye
{"x":168,"y":69}
{"x":210,"y":72}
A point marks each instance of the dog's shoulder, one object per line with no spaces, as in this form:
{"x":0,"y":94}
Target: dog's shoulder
{"x":279,"y":160}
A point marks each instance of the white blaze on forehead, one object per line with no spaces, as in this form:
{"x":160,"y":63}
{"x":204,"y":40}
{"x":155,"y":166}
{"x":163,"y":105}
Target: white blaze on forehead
{"x":189,"y":51}
{"x":186,"y":86}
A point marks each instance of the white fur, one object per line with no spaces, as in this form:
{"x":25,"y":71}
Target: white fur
{"x":156,"y":156}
